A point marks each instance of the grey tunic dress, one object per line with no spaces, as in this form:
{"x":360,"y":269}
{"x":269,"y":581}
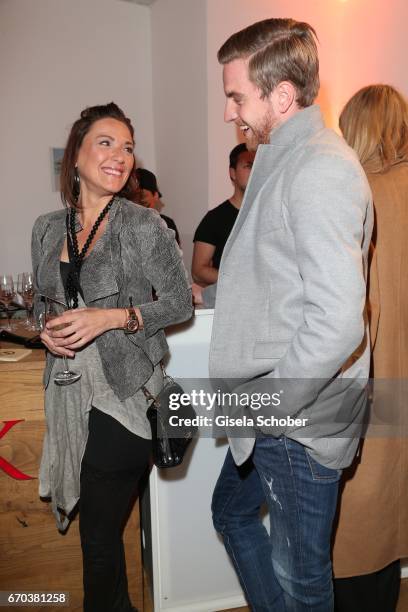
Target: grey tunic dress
{"x":67,"y":411}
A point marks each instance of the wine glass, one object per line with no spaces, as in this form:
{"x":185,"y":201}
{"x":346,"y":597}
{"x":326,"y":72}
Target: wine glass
{"x":52,"y":310}
{"x":7,"y":294}
{"x":25,"y":288}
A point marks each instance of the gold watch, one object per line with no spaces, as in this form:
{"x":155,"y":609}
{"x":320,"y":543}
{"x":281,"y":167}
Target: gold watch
{"x":132,"y":323}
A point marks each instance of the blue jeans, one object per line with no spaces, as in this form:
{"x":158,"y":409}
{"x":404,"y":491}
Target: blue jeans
{"x":290,"y":569}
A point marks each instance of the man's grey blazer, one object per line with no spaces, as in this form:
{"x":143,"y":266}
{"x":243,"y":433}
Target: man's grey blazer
{"x":290,"y":307}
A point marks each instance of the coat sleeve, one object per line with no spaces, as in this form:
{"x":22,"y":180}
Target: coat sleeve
{"x":36,"y":254}
{"x":326,"y":211}
{"x":163,"y":266}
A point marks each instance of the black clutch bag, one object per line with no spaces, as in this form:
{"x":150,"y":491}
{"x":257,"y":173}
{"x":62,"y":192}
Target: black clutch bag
{"x":172,"y":429}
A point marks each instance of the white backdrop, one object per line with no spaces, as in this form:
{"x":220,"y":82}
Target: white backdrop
{"x":160,"y":64}
{"x":57,"y":57}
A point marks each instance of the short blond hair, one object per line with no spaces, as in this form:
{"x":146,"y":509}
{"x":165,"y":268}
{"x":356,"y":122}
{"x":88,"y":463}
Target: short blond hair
{"x":278,"y":50}
{"x":374,"y":122}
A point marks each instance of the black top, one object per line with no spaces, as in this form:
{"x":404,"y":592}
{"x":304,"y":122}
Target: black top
{"x":215,"y":228}
{"x":171,"y":225}
{"x":68,"y":271}
{"x":67,"y":267}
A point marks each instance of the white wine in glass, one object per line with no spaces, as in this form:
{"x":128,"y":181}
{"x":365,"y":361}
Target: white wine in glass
{"x":7,"y":295}
{"x":25,"y":288}
{"x":54,"y":309}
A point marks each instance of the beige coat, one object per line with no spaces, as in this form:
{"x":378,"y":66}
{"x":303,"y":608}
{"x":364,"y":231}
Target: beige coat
{"x":372,"y":528}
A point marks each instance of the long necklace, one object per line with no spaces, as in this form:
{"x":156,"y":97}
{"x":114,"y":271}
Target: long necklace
{"x":78,"y":257}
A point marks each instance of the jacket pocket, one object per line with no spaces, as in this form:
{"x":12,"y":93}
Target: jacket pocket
{"x":270,"y":349}
{"x":321,"y":472}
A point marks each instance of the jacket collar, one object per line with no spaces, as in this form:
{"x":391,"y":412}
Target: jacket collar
{"x":299,"y":127}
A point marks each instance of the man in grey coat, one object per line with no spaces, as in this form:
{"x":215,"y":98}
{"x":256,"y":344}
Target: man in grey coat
{"x":289,"y":321}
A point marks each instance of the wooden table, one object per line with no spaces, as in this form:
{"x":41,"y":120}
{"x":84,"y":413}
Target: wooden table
{"x":34,"y":556}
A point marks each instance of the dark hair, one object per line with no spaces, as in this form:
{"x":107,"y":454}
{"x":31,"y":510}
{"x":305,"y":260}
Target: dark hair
{"x":134,"y":192}
{"x":69,"y":192}
{"x":147,"y":180}
{"x":278,"y":50}
{"x":235,"y":153}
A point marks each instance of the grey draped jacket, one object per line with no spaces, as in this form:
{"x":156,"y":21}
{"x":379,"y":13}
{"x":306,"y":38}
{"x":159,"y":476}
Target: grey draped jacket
{"x":136,"y":252}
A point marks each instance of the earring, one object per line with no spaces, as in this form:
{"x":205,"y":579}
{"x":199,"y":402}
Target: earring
{"x":77,"y":184}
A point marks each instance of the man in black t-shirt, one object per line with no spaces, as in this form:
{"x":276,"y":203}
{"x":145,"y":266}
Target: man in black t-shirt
{"x":148,"y":195}
{"x":213,"y":231}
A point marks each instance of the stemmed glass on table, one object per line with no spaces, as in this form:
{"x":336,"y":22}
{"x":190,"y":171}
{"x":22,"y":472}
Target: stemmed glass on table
{"x":52,"y":310}
{"x":7,"y":294}
{"x":25,"y":288}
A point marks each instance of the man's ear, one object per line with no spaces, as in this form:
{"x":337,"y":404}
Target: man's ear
{"x":285,"y":95}
{"x":232,"y":174}
{"x":156,"y":196}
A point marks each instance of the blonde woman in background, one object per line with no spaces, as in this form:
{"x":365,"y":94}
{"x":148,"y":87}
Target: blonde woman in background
{"x":372,"y":532}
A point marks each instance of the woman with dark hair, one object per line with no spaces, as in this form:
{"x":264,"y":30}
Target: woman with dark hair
{"x":372,"y":531}
{"x":100,"y":256}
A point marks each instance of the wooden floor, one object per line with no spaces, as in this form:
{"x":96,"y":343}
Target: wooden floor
{"x":403,"y":600}
{"x":402,"y":604}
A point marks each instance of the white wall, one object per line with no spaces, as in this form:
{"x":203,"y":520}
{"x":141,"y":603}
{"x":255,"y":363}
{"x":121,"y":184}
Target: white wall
{"x":56,"y":57}
{"x":361,"y":42}
{"x":180,"y":111}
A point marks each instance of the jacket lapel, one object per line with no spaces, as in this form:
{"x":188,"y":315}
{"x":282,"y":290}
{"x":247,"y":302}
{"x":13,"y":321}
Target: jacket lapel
{"x":98,"y":277}
{"x":99,"y":272}
{"x":270,"y":158}
{"x":49,"y":275}
{"x":101,"y":269}
{"x":266,"y":161}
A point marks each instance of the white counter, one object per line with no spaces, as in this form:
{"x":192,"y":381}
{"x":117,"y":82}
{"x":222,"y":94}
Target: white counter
{"x":185,"y":558}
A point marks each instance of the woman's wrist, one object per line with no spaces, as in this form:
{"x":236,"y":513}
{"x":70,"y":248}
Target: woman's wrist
{"x":118,"y":318}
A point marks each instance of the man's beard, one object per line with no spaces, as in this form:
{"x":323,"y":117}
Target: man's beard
{"x":260,"y":133}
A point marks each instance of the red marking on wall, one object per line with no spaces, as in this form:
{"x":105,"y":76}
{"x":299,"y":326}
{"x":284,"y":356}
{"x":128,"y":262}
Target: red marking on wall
{"x":6,"y":466}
